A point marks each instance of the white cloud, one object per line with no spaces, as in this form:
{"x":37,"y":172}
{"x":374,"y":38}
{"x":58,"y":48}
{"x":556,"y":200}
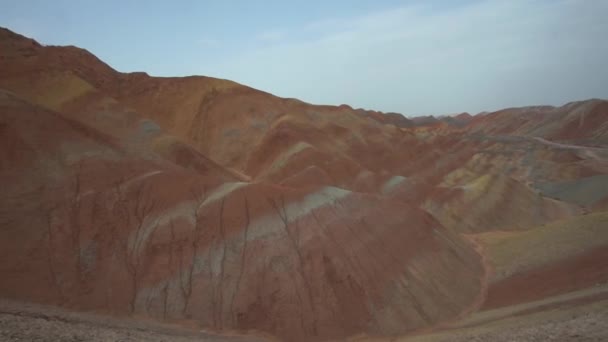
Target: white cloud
{"x":208,"y":41}
{"x":271,"y":35}
{"x":485,"y":55}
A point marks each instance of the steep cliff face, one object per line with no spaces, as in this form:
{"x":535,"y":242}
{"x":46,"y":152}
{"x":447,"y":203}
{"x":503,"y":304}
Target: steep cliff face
{"x":202,"y":201}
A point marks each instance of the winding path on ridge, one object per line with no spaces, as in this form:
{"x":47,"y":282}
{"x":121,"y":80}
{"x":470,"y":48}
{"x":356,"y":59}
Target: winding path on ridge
{"x":484,"y":280}
{"x":592,"y":152}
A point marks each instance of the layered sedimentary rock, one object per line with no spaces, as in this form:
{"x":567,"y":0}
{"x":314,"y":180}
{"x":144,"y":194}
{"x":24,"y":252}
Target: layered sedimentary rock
{"x":208,"y":203}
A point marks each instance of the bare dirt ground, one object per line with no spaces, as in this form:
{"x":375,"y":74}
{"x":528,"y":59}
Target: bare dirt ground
{"x":27,"y":322}
{"x":593,"y":152}
{"x":581,"y":316}
{"x":576,"y":316}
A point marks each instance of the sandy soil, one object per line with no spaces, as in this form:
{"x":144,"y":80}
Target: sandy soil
{"x":585,"y":327}
{"x":28,"y":322}
{"x":576,"y":316}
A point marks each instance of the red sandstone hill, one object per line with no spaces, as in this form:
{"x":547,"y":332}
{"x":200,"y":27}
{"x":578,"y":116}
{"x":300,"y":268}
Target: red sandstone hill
{"x":205,"y":202}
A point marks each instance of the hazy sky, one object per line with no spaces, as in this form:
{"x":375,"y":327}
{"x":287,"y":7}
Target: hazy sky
{"x":414,"y":57}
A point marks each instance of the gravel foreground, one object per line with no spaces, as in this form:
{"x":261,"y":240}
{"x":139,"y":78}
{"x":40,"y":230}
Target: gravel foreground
{"x":579,"y":317}
{"x":588,"y":323}
{"x":24,"y":328}
{"x":592,"y":327}
{"x":28,"y":322}
{"x":15,"y":327}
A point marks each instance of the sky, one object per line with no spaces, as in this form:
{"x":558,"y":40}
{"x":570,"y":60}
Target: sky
{"x":409,"y":56}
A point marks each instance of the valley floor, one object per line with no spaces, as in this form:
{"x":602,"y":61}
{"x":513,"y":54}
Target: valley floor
{"x":29,"y":322}
{"x":576,"y":316}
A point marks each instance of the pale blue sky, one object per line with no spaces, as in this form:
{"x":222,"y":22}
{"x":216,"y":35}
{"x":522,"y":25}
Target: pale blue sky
{"x":410,"y":56}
